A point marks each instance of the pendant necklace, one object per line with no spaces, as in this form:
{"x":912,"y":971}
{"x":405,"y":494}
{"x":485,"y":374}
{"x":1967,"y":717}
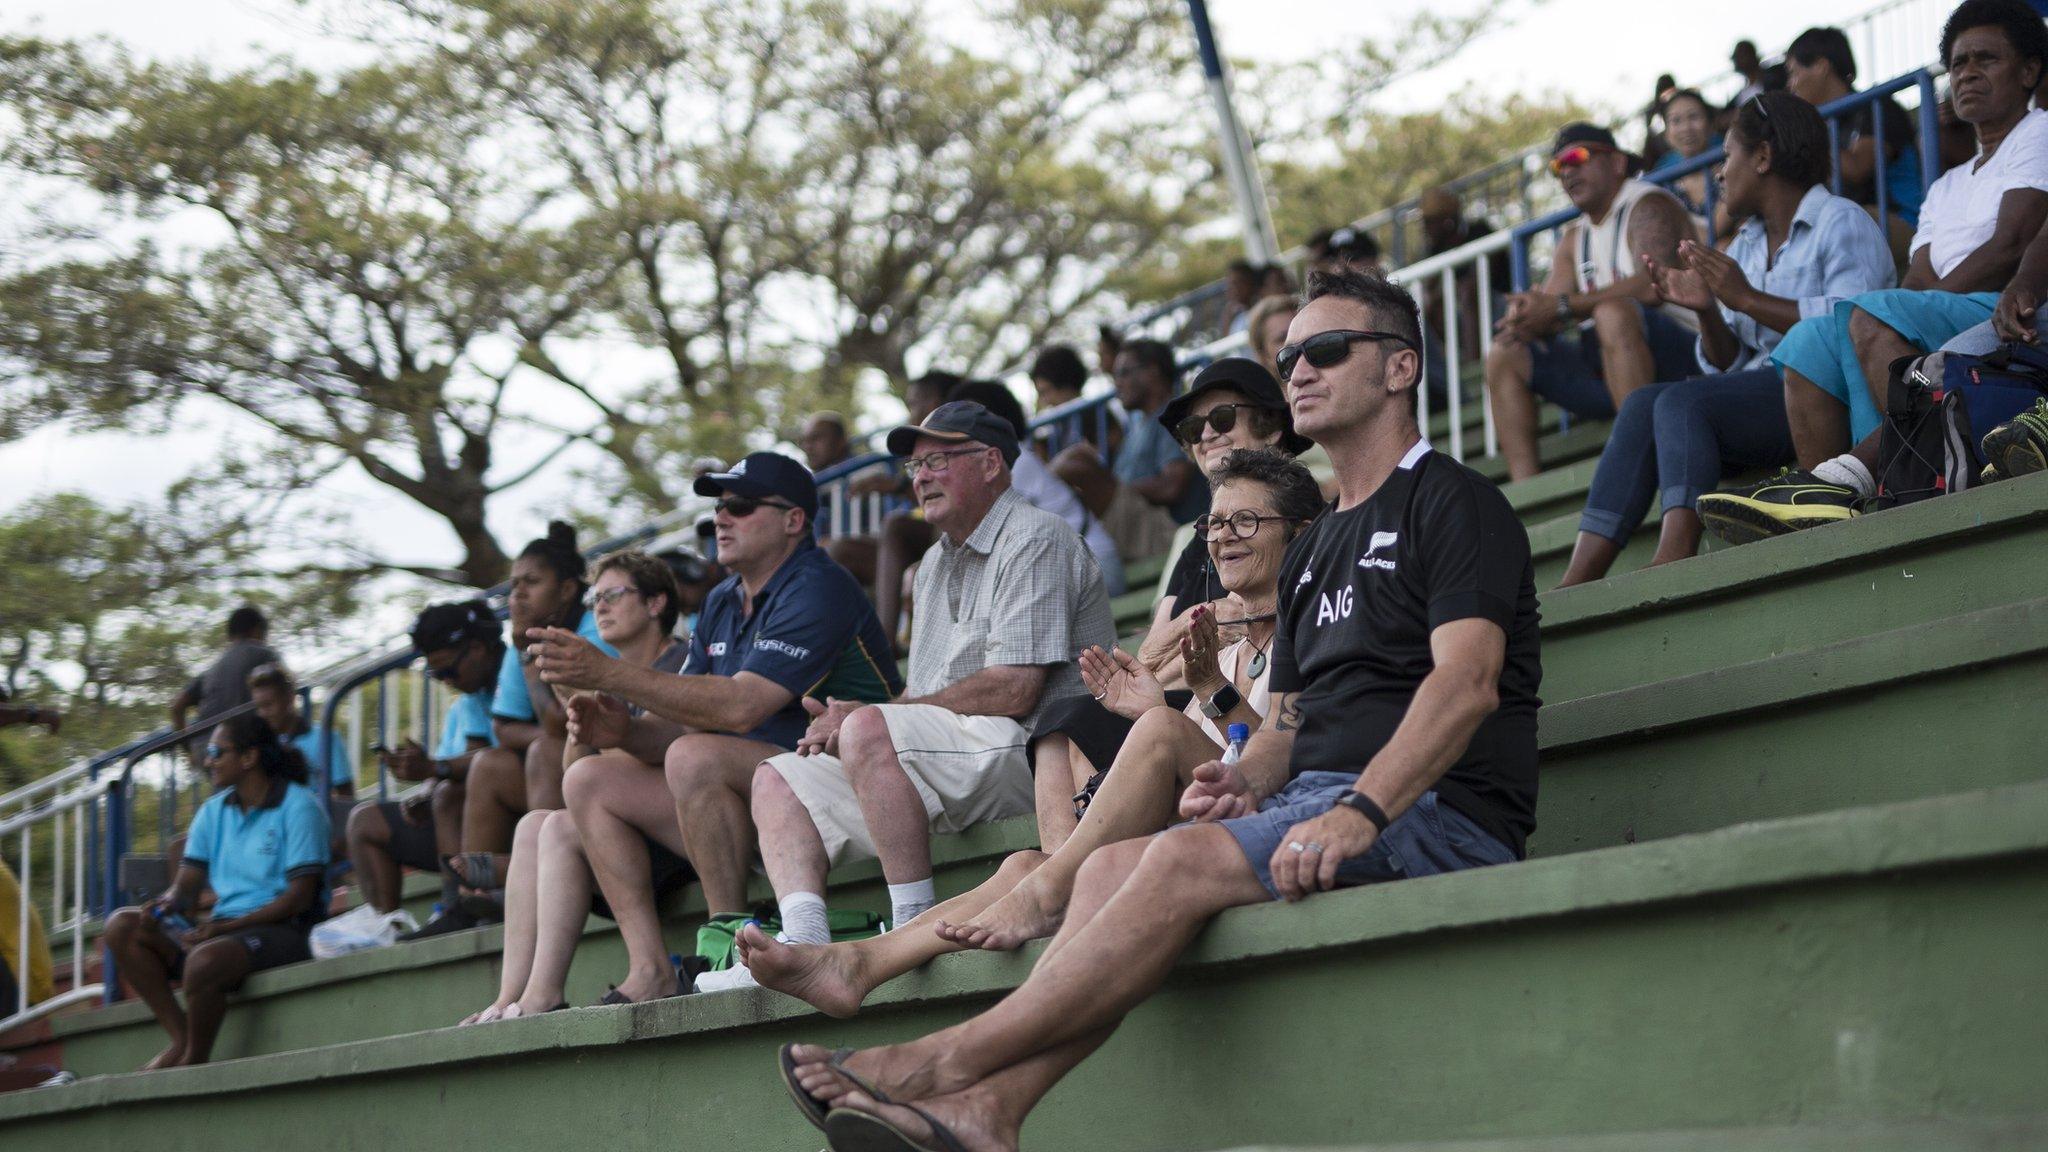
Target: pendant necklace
{"x":1258,"y":664}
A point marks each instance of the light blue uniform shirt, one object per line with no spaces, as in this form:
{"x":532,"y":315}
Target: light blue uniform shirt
{"x":324,"y":752}
{"x":250,"y":855}
{"x":1147,"y":449}
{"x":512,"y":701}
{"x":469,"y":715}
{"x":1834,"y":251}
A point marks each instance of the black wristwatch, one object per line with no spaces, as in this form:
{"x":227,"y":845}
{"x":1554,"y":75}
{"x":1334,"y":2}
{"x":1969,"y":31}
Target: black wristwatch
{"x":1222,"y":703}
{"x":1365,"y":805}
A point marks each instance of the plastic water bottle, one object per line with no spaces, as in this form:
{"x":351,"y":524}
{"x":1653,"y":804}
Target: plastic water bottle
{"x":1234,"y":750}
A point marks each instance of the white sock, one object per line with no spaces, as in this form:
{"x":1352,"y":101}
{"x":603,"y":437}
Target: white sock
{"x":1849,"y":472}
{"x":736,"y":976}
{"x":803,"y":919}
{"x":908,"y":901}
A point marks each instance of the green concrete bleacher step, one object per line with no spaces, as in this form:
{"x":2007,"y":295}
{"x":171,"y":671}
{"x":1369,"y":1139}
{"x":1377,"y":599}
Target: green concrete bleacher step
{"x":1857,"y":967}
{"x":1937,"y":558}
{"x":2006,"y":1134}
{"x":1789,"y":735}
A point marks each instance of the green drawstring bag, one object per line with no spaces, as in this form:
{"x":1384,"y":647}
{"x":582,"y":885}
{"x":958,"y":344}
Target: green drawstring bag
{"x":715,"y":938}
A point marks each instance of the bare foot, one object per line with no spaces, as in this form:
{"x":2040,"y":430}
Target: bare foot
{"x":637,"y":986}
{"x":975,"y":1120}
{"x":1024,"y":913}
{"x":172,"y":1057}
{"x":899,"y":1071}
{"x":484,"y":1015}
{"x":826,"y":976}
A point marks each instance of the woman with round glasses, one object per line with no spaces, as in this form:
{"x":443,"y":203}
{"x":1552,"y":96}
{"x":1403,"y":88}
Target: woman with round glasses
{"x":261,"y":844}
{"x":1262,"y":501}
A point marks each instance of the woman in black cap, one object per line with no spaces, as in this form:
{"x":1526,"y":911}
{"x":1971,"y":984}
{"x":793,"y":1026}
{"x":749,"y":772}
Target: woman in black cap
{"x":1233,"y":403}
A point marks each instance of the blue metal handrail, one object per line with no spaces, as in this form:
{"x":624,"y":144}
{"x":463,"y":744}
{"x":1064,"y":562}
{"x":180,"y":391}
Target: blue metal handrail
{"x":1833,"y":112}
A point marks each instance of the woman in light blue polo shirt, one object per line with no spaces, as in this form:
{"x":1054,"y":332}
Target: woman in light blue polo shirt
{"x":261,"y":844}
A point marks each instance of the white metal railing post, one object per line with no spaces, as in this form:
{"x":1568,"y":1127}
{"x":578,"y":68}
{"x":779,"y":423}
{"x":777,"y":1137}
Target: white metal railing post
{"x":1491,"y":443}
{"x":56,"y":874}
{"x":1454,"y":368}
{"x":78,"y":898}
{"x":28,"y":879}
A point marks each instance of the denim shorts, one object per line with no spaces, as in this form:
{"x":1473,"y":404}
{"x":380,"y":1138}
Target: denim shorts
{"x":1566,"y":369}
{"x":1428,"y":838}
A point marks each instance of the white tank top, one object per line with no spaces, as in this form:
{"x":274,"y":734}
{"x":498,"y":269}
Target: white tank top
{"x":1601,"y":252}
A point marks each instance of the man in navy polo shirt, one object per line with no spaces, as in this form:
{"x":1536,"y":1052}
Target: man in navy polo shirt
{"x":789,"y":623}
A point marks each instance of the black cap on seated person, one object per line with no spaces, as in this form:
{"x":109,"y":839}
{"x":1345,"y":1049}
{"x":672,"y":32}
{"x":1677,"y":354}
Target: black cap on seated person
{"x":958,"y":421}
{"x":443,"y":626}
{"x":1580,"y":132}
{"x":1247,"y":377}
{"x":765,"y":476}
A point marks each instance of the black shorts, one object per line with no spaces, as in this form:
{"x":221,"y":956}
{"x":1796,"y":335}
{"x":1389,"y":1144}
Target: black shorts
{"x":666,"y":870}
{"x":412,"y":844}
{"x":268,"y":945}
{"x":1097,"y":732}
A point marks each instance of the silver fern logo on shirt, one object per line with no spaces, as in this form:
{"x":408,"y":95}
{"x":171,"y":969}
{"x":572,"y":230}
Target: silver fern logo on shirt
{"x":1379,"y":540}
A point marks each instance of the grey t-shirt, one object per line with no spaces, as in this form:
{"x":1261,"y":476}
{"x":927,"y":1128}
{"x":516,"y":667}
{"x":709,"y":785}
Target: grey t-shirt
{"x":225,"y":683}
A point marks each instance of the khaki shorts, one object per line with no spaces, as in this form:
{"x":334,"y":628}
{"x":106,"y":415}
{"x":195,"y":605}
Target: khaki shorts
{"x":1139,"y":527}
{"x":967,"y":769}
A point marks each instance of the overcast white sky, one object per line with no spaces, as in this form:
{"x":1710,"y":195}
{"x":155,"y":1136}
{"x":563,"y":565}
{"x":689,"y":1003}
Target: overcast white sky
{"x":1561,"y":45}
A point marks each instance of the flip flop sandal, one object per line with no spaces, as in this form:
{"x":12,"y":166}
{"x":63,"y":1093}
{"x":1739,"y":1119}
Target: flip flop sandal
{"x":512,"y":1012}
{"x":814,"y":1110}
{"x":851,"y":1130}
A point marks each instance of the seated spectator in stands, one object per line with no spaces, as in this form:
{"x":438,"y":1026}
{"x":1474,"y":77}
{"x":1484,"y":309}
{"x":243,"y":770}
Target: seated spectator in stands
{"x":1800,"y":251}
{"x":905,"y":535}
{"x":1821,"y":69}
{"x":695,"y":577}
{"x":463,"y":646}
{"x":1422,"y":665}
{"x":1750,"y":67}
{"x":225,"y":682}
{"x":1150,"y":489}
{"x":549,"y":887}
{"x":1446,"y":228}
{"x":261,"y":844}
{"x":1689,"y":132}
{"x":1976,"y":221}
{"x":522,"y":772}
{"x":1654,"y":146}
{"x":1057,"y":377}
{"x":12,"y":714}
{"x":1240,"y":292}
{"x":1267,"y":328}
{"x":1274,"y":280}
{"x":1595,"y":331}
{"x":1039,"y":487}
{"x":1108,"y":342}
{"x":875,"y":781}
{"x":1263,"y":501}
{"x":787,"y":627}
{"x":277,"y":701}
{"x":1333,"y":249}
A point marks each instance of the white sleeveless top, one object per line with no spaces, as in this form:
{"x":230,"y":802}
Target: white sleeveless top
{"x":1260,"y":697}
{"x":1602,"y":254}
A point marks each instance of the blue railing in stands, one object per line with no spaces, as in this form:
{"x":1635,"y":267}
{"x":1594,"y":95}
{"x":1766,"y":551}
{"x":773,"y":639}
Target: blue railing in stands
{"x":1834,"y":112}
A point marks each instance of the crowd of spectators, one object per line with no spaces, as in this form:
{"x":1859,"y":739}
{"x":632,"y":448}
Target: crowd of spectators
{"x":1371,"y":663}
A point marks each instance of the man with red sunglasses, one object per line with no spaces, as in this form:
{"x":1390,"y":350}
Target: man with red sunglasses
{"x":1596,"y":330}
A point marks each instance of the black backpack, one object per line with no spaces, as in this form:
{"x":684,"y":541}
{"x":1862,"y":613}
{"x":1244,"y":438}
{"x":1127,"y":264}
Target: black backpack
{"x":1937,"y":408}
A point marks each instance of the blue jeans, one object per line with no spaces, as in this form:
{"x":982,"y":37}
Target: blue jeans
{"x":1568,"y":371}
{"x":1430,"y":837}
{"x":1674,"y":439}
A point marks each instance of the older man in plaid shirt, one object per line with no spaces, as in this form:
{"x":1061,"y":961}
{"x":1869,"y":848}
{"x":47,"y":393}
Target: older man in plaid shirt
{"x":1005,"y":602}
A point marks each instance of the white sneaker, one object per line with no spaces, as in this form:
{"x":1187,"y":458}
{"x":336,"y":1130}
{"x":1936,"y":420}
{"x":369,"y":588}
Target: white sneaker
{"x":359,"y":929}
{"x":736,"y":976}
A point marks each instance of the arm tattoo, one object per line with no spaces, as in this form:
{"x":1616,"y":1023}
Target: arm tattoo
{"x":1657,"y":225}
{"x":1290,"y":714}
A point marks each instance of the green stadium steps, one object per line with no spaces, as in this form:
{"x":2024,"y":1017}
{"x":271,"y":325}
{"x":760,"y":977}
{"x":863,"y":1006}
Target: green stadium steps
{"x":1859,"y":966}
{"x":2021,"y":1134}
{"x":1789,"y":735}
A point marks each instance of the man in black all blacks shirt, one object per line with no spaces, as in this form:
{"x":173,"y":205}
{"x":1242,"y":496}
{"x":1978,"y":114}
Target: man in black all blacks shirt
{"x":1405,"y":673}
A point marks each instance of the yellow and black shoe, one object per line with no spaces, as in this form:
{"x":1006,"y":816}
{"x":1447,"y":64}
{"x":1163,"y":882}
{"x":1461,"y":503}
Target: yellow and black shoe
{"x":1990,"y":475}
{"x":1787,"y":502}
{"x":2019,"y":446}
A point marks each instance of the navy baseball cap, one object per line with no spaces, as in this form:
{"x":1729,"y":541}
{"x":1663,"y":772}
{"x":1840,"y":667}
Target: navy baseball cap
{"x":765,"y":475}
{"x":1580,"y":132}
{"x":958,"y":421}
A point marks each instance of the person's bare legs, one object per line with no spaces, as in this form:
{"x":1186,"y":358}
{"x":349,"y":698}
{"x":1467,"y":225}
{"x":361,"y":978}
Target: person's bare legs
{"x":1509,"y":371}
{"x":1820,"y":423}
{"x":1080,"y":466}
{"x":1678,"y":538}
{"x":904,"y":540}
{"x":889,"y":803}
{"x":1059,"y":771}
{"x":212,"y":970}
{"x":378,"y":875}
{"x":496,"y":800}
{"x":1136,"y":798}
{"x":522,"y":909}
{"x":1592,"y":556}
{"x":856,"y":554}
{"x":544,"y":773}
{"x":1626,"y":362}
{"x":791,"y":849}
{"x":710,"y":781}
{"x":836,"y":978}
{"x":1876,"y":345}
{"x":144,"y":956}
{"x":1161,"y":892}
{"x":619,"y":803}
{"x":987,"y":1116}
{"x":564,"y":887}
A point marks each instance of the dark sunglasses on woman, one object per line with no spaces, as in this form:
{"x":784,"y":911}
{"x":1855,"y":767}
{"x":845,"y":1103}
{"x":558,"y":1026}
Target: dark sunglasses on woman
{"x":1327,"y":349}
{"x":1220,"y":419}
